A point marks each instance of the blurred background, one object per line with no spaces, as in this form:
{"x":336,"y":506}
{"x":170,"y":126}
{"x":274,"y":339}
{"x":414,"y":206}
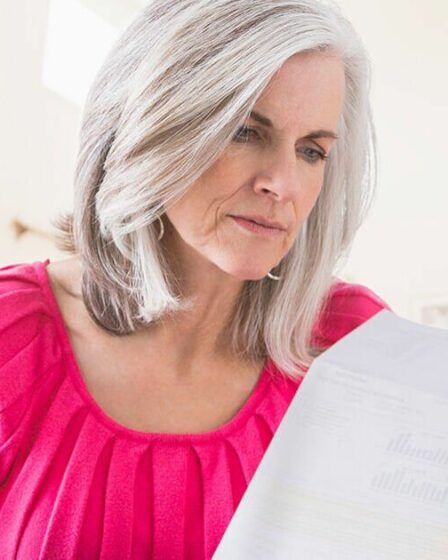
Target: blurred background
{"x":51,"y":50}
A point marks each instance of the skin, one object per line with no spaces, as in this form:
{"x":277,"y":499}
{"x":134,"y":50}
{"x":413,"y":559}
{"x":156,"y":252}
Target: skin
{"x":276,"y":173}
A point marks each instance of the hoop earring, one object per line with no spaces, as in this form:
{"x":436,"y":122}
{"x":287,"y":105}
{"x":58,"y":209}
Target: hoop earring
{"x":273,"y":277}
{"x":162,"y":229}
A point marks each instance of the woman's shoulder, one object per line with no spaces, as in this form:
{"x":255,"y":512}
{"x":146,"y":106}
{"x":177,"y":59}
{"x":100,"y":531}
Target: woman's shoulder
{"x":23,"y":308}
{"x":348,"y":306}
{"x":353,"y":298}
{"x":28,"y":340}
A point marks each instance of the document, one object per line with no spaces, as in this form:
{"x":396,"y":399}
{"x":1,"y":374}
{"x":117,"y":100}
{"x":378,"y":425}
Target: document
{"x":358,"y":467}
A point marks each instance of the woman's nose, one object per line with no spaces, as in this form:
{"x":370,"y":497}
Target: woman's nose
{"x":279,"y":177}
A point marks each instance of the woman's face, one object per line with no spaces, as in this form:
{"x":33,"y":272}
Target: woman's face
{"x":272,"y":169}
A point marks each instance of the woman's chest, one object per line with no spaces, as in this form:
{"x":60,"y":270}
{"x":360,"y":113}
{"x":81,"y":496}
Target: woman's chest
{"x":142,"y":394}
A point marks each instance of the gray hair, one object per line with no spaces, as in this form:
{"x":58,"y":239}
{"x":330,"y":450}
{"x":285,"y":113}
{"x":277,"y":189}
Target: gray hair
{"x":165,"y":104}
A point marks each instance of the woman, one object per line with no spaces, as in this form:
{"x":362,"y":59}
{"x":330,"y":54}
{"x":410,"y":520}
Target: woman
{"x":224,"y":168}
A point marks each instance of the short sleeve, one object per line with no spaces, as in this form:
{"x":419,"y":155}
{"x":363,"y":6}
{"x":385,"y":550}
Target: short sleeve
{"x":347,"y":307}
{"x":28,"y":353}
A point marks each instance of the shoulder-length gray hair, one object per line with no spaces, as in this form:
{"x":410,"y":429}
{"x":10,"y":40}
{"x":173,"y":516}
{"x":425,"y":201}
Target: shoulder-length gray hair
{"x":166,"y":102}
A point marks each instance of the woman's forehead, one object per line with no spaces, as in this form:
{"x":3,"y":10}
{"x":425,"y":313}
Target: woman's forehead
{"x":307,"y":90}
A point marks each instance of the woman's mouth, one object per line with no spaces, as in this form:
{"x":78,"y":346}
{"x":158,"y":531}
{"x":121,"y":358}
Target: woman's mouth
{"x":253,"y":227}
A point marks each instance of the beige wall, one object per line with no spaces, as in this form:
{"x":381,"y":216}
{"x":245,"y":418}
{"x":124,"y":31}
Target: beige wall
{"x":401,"y":250}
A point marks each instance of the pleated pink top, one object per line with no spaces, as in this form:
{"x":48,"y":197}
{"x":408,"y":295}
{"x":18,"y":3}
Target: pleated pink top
{"x":75,"y":484}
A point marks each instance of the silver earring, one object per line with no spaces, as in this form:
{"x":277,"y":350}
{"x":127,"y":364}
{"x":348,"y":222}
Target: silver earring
{"x":273,"y":276}
{"x":162,"y":229}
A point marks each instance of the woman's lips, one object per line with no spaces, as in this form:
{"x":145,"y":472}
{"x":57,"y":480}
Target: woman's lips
{"x":257,"y":228}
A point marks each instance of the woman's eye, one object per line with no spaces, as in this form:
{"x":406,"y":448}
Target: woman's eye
{"x":314,"y":155}
{"x":242,"y":134}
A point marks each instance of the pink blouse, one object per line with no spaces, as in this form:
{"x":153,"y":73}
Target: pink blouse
{"x":75,"y":484}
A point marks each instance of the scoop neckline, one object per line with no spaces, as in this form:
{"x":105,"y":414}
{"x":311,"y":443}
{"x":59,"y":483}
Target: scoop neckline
{"x":76,"y":374}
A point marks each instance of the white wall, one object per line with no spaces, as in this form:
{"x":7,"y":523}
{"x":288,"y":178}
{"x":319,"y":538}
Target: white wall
{"x":39,"y":134}
{"x":399,"y":252}
{"x":402,"y":249}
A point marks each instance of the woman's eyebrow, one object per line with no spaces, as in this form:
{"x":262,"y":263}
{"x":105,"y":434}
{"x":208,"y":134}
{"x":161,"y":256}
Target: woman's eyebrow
{"x":321,"y":133}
